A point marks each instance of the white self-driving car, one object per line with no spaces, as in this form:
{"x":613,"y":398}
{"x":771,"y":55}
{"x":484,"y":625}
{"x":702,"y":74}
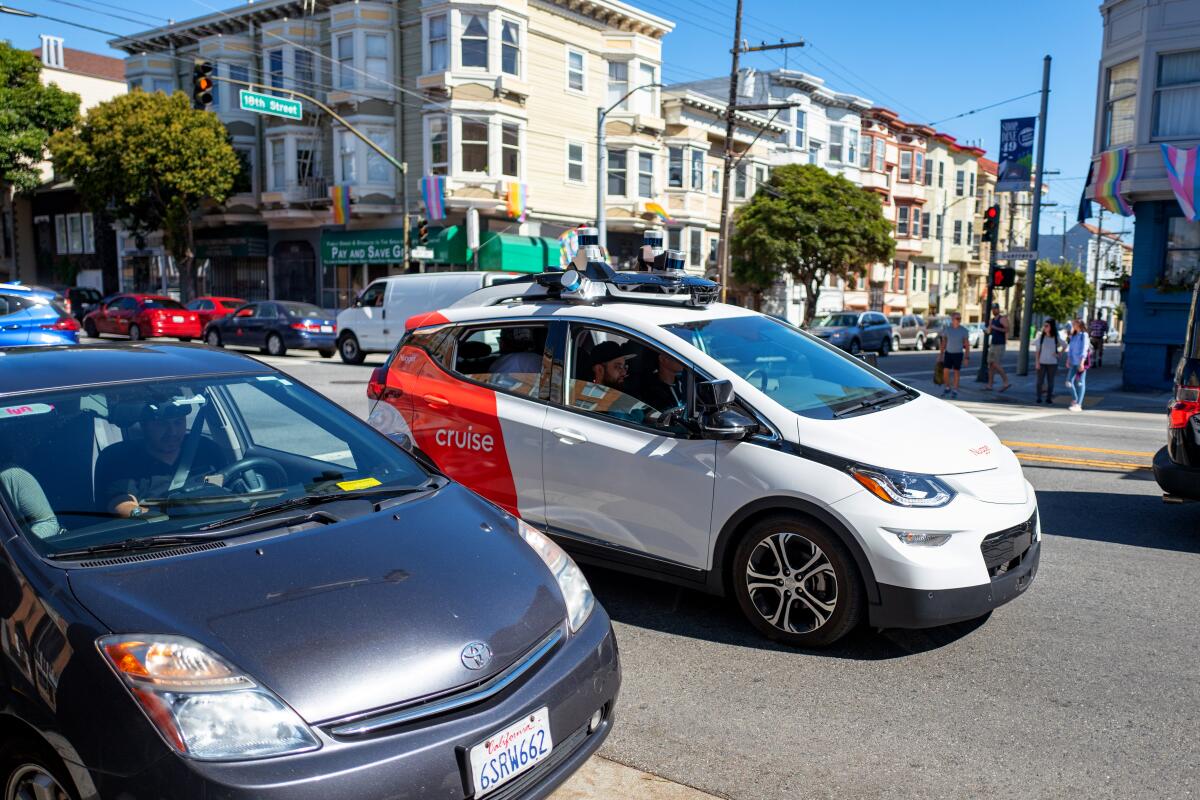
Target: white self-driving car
{"x":650,"y":430}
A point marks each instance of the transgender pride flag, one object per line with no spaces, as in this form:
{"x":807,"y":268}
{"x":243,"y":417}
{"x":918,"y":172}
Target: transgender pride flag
{"x":433,"y":192}
{"x":1184,"y":177}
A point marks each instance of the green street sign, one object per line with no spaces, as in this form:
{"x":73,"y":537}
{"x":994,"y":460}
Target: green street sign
{"x":267,"y":104}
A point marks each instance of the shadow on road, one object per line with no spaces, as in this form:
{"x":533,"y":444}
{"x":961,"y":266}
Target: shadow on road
{"x":653,"y":605}
{"x":1136,"y":520}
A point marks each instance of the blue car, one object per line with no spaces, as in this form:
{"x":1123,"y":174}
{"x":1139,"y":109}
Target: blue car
{"x":275,"y":327}
{"x":28,"y":317}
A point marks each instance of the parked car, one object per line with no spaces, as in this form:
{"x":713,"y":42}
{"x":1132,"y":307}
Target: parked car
{"x":300,"y":609}
{"x":717,"y":448}
{"x":855,"y":331}
{"x":275,"y":327}
{"x":1177,"y":466}
{"x":210,"y":308}
{"x":376,"y":320}
{"x":933,"y":331}
{"x":142,"y":315}
{"x":27,"y":318}
{"x":976,"y":331}
{"x":81,"y":301}
{"x":908,"y":331}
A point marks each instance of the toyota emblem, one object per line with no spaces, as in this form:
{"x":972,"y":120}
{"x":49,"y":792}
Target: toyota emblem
{"x":476,"y":655}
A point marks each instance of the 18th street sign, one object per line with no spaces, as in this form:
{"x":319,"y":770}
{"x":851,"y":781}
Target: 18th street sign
{"x":266,"y":104}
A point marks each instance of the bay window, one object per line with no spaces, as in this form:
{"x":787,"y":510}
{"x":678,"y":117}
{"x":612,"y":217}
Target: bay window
{"x":618,"y":84}
{"x":305,"y":75}
{"x":800,"y":128}
{"x":647,"y":98}
{"x":1177,"y":95}
{"x":1182,"y":263}
{"x":837,"y":135}
{"x":474,"y":43}
{"x":278,"y":164}
{"x":379,"y":170}
{"x":576,"y":70}
{"x":438,"y":43}
{"x":739,"y":183}
{"x":852,"y":147}
{"x":376,"y":61}
{"x":275,"y":68}
{"x":510,"y":150}
{"x":697,"y":169}
{"x":645,"y":174}
{"x":1120,"y":104}
{"x":344,"y":45}
{"x":906,"y":163}
{"x":74,"y":233}
{"x":575,"y":162}
{"x":696,"y":247}
{"x":347,"y":145}
{"x":760,"y":177}
{"x":89,"y":233}
{"x":473,"y":148}
{"x":617,"y":172}
{"x":918,"y":167}
{"x":864,"y":151}
{"x":880,"y":153}
{"x":510,"y":47}
{"x":304,"y":160}
{"x":675,"y":167}
{"x":60,"y":234}
{"x":439,"y":145}
{"x":237,"y":72}
{"x":902,"y":218}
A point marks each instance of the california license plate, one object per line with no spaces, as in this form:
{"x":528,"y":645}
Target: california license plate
{"x":504,"y":755}
{"x":176,"y":319}
{"x":326,"y":329}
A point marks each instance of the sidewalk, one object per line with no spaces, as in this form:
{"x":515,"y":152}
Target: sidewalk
{"x":601,"y":778}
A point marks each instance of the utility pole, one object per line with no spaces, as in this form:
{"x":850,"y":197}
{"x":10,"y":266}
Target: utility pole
{"x":727,"y":167}
{"x":1031,"y":270}
{"x":1062,"y":256}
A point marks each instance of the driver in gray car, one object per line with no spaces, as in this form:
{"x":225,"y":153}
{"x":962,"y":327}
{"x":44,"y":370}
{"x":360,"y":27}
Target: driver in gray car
{"x":129,"y":473}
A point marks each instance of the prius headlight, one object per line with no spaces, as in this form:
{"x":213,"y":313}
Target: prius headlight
{"x":574,"y":586}
{"x":909,"y":489}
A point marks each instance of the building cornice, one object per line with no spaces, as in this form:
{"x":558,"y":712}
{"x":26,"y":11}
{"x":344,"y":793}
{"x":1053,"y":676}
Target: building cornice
{"x":711,"y":105}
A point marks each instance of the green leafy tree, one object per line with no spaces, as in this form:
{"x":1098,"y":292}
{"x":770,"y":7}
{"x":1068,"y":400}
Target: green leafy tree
{"x":1059,"y":290}
{"x":29,"y":114}
{"x":152,"y":160}
{"x":810,"y":224}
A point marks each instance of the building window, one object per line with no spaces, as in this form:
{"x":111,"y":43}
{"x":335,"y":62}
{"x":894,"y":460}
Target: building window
{"x":439,"y":146}
{"x":645,"y":174}
{"x":576,"y":71}
{"x":304,"y":161}
{"x":958,"y":231}
{"x":971,"y":191}
{"x":880,"y":151}
{"x":74,"y":234}
{"x":941,"y":174}
{"x":960,"y":183}
{"x":243,"y":182}
{"x":852,"y":147}
{"x":906,"y":164}
{"x":714,"y":180}
{"x":760,"y":177}
{"x":837,"y":135}
{"x":347,"y":147}
{"x":376,"y":46}
{"x":739,"y":182}
{"x":510,"y":47}
{"x":164,"y":85}
{"x":918,"y":167}
{"x":305,"y":76}
{"x":475,"y":41}
{"x":971,"y":234}
{"x":575,"y":162}
{"x":438,"y":45}
{"x":674,"y":239}
{"x":925,"y":225}
{"x":1177,"y":95}
{"x":510,"y":149}
{"x":345,"y":59}
{"x":617,"y":173}
{"x":864,"y":151}
{"x":618,"y":84}
{"x":675,"y":167}
{"x":800,"y":130}
{"x":902,"y":221}
{"x":941,"y":227}
{"x":899,"y":276}
{"x":275,"y":68}
{"x":379,"y":170}
{"x":60,"y":234}
{"x":695,"y":246}
{"x":1120,"y":105}
{"x":647,"y":99}
{"x":473,"y":153}
{"x":1182,"y":263}
{"x":929,"y":172}
{"x":237,"y":72}
{"x":278,"y":164}
{"x":697,"y":169}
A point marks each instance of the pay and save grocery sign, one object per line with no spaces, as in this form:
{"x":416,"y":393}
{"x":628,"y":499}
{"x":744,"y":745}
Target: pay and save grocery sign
{"x":266,"y":104}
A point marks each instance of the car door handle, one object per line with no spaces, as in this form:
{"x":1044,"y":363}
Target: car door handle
{"x":12,"y":327}
{"x":569,"y":436}
{"x":435,"y":400}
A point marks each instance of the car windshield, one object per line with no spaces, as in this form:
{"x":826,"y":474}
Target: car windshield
{"x":303,"y":310}
{"x":98,"y":466}
{"x":796,"y":370}
{"x":161,"y":302}
{"x":836,"y":321}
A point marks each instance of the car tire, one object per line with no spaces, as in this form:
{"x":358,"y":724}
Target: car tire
{"x":275,"y":345}
{"x":350,"y":351}
{"x":184,"y":338}
{"x":920,"y":343}
{"x":326,"y":353}
{"x":855,"y":347}
{"x":135,"y":333}
{"x":28,"y":771}
{"x":885,"y":346}
{"x":895,"y":344}
{"x":213,"y":338}
{"x":816,"y":610}
{"x":89,"y":328}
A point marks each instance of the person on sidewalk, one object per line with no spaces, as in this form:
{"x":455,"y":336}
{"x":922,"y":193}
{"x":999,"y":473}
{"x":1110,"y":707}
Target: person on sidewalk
{"x":1048,"y":349}
{"x":998,"y":331}
{"x":1079,"y":350}
{"x":1098,"y":330}
{"x":954,"y":353}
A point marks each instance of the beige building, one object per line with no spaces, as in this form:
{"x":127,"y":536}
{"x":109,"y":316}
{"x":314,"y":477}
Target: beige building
{"x":952,"y":182}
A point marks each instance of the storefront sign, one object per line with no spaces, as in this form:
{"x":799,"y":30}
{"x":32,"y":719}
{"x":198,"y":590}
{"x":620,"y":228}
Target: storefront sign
{"x":235,"y":241}
{"x":362,"y":247}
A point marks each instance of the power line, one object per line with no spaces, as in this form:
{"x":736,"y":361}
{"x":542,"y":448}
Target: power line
{"x":115,"y":16}
{"x":985,"y":108}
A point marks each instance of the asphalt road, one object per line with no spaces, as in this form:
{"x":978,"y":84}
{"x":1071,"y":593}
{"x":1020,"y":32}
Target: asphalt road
{"x":1086,"y":686}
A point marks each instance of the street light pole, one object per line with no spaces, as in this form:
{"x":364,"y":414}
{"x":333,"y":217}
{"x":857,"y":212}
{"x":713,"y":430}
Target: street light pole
{"x":602,"y":161}
{"x":1031,"y":270}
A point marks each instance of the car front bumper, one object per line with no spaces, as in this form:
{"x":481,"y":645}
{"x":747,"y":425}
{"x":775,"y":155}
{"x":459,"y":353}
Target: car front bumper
{"x":425,"y":759}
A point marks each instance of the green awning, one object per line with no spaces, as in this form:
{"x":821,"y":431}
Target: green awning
{"x":508,"y":251}
{"x":449,"y":244}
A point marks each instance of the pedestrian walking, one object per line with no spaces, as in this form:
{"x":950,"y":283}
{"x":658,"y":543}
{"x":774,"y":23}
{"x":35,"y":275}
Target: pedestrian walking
{"x":1079,"y":350}
{"x":998,"y":333}
{"x":954,"y":352}
{"x":1098,"y":331}
{"x":1048,"y":349}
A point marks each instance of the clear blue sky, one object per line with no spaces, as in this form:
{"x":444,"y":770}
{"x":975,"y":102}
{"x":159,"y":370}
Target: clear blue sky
{"x":927,"y":61}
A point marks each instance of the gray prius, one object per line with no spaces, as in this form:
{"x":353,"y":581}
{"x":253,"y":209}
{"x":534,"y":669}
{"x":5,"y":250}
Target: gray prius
{"x":217,"y":583}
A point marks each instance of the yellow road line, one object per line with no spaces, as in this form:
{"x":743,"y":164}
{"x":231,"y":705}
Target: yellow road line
{"x":1075,"y":449}
{"x":1084,"y":462}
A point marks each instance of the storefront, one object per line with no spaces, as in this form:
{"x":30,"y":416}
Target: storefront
{"x":352,"y":259}
{"x":232,"y":261}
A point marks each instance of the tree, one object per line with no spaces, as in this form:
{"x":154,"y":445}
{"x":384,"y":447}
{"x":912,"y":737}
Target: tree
{"x":152,"y":160}
{"x":1059,"y":290}
{"x":811,"y":224}
{"x":29,"y":114}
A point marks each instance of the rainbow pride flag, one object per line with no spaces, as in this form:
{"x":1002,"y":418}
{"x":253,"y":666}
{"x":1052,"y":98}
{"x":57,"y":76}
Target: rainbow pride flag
{"x":341,"y":204}
{"x":433,"y":192}
{"x":568,"y":246}
{"x":1184,"y":177}
{"x":658,"y":211}
{"x":517,"y":200}
{"x":1110,"y":169}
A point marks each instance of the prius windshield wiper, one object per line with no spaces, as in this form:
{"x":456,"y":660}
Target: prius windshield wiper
{"x":872,"y":403}
{"x":130,"y":545}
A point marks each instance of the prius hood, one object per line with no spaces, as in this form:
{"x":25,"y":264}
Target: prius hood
{"x":348,"y":617}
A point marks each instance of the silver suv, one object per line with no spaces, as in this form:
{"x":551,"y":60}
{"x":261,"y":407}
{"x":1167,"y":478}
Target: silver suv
{"x":908,"y":331}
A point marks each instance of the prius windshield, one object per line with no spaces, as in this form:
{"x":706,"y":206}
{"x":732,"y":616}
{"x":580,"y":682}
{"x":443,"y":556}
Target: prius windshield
{"x":123,"y":463}
{"x":794,"y":369}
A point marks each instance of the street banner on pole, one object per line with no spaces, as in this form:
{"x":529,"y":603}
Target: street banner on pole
{"x":1016,"y":154}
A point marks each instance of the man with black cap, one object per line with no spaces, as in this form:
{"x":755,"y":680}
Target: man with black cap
{"x":610,"y":364}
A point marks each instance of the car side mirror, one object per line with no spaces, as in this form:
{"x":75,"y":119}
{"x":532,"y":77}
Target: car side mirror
{"x":402,"y":440}
{"x":714,"y":395}
{"x":358,"y":303}
{"x":726,"y":424}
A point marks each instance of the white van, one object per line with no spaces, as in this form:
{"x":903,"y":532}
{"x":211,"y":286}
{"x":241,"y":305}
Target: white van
{"x":376,"y":320}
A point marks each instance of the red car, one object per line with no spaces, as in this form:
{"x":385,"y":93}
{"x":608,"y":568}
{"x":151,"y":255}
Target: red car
{"x":141,"y":315}
{"x":210,"y":308}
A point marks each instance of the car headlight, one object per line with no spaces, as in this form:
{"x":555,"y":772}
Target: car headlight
{"x":574,"y":586}
{"x":904,"y":488}
{"x":203,"y":706}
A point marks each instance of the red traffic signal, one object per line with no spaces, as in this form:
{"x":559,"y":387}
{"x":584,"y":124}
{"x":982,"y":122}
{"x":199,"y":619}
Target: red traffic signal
{"x":1003,"y":277}
{"x":991,"y":225}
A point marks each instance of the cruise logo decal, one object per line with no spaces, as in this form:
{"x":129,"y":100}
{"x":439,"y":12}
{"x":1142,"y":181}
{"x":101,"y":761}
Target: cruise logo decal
{"x":980,"y":451}
{"x":464,"y":440}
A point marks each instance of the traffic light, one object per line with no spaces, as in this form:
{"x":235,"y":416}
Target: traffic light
{"x":202,"y":85}
{"x":1003,"y":277}
{"x":991,"y":225}
{"x":422,"y":232}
